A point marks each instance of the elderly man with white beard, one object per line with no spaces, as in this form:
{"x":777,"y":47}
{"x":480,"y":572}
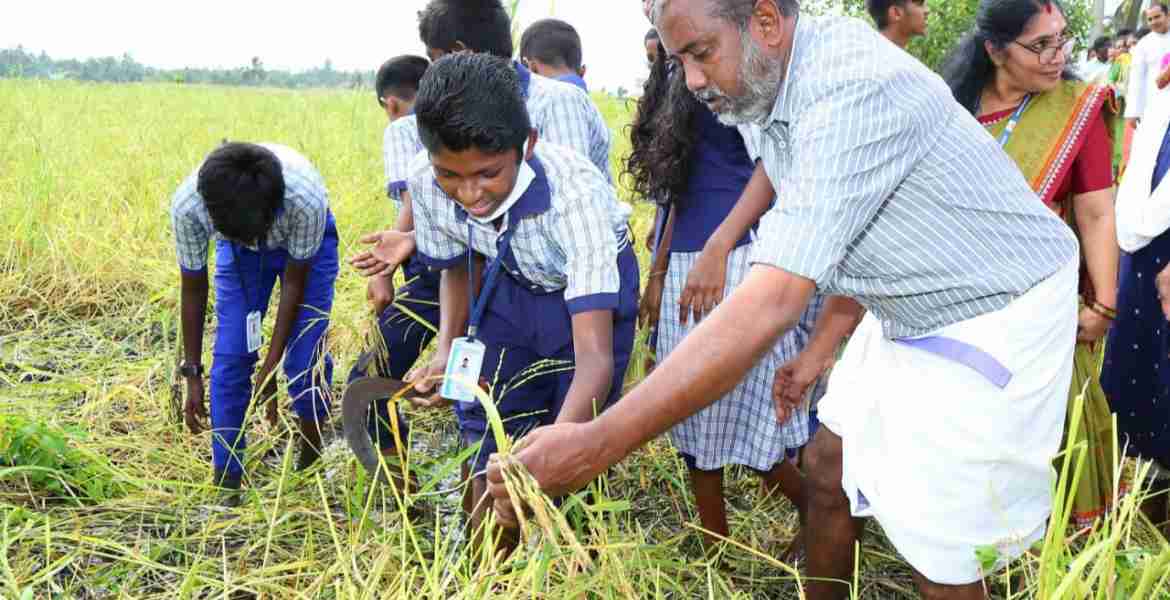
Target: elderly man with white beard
{"x":945,"y":410}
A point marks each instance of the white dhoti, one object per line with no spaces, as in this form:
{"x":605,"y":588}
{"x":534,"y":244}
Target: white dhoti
{"x":946,"y":460}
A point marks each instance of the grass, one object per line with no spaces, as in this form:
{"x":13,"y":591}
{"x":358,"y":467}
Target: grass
{"x":104,"y":495}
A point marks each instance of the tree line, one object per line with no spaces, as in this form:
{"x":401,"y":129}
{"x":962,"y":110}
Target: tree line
{"x":19,"y":63}
{"x":949,"y":20}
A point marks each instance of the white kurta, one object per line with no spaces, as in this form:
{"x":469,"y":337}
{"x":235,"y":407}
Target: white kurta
{"x":1143,"y":215}
{"x":1150,"y":57}
{"x":946,"y":461}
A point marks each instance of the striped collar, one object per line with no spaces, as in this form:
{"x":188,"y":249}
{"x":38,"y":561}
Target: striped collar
{"x":783,"y":109}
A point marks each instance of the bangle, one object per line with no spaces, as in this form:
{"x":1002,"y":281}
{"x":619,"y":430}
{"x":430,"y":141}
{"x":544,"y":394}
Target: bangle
{"x":1104,"y":311}
{"x":656,"y":274}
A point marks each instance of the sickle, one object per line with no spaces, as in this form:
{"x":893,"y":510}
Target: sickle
{"x":355,"y":405}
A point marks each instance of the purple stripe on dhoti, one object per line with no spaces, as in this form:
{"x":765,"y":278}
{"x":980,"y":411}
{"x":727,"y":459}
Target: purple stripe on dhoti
{"x":964,"y":354}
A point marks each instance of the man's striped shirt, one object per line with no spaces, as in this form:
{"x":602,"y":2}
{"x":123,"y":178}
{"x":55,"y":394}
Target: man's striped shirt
{"x":890,"y":193}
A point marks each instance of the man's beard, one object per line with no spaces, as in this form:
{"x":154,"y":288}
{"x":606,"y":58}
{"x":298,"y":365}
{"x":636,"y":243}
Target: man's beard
{"x":760,"y":78}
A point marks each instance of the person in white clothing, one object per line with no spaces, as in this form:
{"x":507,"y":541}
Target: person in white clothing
{"x":1151,"y":57}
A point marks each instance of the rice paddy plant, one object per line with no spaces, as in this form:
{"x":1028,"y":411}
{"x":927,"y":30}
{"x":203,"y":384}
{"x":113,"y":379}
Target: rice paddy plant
{"x":120,"y":503}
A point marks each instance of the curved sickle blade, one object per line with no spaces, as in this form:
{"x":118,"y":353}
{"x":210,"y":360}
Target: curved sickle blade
{"x":355,"y":405}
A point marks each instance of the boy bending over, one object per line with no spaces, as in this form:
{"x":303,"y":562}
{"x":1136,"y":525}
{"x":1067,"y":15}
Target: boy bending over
{"x":267,"y":208}
{"x":534,"y":248}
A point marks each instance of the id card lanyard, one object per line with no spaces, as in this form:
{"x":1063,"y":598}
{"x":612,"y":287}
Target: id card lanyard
{"x":252,"y":321}
{"x":465,"y":362}
{"x":477,"y":303}
{"x":1015,"y":120}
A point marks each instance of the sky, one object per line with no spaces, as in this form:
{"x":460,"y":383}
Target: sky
{"x":353,"y":34}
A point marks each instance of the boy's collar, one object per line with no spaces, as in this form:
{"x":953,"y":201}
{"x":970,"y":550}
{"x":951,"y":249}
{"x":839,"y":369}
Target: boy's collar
{"x":525,"y":78}
{"x":536,"y":200}
{"x":574,"y":79}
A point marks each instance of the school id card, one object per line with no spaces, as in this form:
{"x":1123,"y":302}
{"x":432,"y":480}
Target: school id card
{"x":464,"y":364}
{"x":252,"y":327}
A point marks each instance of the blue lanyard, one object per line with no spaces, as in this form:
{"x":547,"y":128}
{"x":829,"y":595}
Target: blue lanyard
{"x":478,"y":303}
{"x":244,"y":281}
{"x":1011,"y":124}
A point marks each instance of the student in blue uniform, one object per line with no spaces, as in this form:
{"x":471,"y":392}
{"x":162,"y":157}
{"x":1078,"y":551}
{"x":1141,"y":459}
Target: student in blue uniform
{"x":268,"y":210}
{"x":559,"y":113}
{"x":546,"y":238}
{"x":703,"y":175}
{"x":552,"y":48}
{"x":396,"y":84}
{"x":408,"y":317}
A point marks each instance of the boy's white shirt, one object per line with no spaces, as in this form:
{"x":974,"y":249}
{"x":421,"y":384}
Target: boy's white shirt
{"x":1143,"y":215}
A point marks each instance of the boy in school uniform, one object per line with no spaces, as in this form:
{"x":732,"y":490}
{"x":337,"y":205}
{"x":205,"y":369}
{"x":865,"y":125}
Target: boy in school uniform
{"x":408,"y":317}
{"x":559,"y":113}
{"x":546,"y":238}
{"x":552,"y":48}
{"x":267,"y":209}
{"x":396,"y":84}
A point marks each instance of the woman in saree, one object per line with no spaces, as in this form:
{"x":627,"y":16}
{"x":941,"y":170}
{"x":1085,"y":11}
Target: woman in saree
{"x":1010,"y":72}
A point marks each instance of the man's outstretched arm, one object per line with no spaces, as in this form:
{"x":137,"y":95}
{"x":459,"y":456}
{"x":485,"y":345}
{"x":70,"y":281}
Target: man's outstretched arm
{"x":711,"y":361}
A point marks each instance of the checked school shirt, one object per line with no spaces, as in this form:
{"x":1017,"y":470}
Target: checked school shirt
{"x":569,"y":228}
{"x":560,"y":113}
{"x":300,"y":222}
{"x":890,"y":192}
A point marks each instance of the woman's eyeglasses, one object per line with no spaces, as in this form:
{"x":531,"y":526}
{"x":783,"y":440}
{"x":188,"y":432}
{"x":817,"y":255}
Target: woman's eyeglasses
{"x":1047,"y":51}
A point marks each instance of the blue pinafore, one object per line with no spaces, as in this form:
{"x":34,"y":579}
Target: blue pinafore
{"x":528,"y":335}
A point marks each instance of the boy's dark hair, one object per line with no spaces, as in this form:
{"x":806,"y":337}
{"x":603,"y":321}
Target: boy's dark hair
{"x":880,"y":11}
{"x":552,"y":42}
{"x":242,"y":186}
{"x":650,"y":35}
{"x":399,"y":77}
{"x":482,"y":26}
{"x":472,"y":100}
{"x":1124,"y":33}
